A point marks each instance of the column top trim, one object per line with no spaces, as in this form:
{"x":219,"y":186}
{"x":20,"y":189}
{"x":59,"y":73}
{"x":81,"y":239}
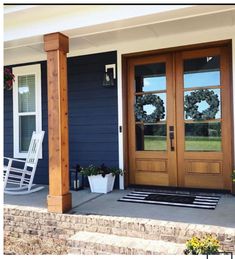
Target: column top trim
{"x":56,"y":41}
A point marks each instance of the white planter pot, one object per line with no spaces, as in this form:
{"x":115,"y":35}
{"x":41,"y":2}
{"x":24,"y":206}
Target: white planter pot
{"x":100,"y":184}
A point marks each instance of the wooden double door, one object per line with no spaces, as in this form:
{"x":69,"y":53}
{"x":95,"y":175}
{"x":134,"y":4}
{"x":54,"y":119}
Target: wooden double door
{"x":179,"y":119}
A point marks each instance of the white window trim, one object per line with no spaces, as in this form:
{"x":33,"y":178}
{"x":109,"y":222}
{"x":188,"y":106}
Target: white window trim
{"x":20,"y":71}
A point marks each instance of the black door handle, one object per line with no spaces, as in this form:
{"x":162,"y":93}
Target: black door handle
{"x":171,"y":135}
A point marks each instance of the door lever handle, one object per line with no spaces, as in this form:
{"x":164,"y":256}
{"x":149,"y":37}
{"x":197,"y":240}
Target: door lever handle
{"x":171,"y":135}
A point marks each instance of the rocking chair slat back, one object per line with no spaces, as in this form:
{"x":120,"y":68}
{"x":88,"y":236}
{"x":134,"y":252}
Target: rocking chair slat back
{"x":34,"y":149}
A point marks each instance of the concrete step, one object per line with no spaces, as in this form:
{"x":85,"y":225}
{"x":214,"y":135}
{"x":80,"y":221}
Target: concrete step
{"x":175,"y":232}
{"x":88,"y":243}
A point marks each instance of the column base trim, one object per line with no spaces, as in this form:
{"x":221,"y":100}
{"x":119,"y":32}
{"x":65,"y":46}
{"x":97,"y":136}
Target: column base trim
{"x":59,"y":204}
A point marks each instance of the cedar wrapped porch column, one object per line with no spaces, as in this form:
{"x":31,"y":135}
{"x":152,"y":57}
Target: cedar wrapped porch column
{"x":59,"y":199}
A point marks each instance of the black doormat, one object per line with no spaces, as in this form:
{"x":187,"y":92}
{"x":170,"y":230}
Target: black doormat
{"x":172,"y":199}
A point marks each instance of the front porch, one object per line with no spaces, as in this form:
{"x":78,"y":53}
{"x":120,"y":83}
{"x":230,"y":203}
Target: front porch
{"x":102,"y":215}
{"x":86,"y":203}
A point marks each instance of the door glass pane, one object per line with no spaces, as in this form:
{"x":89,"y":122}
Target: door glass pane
{"x":150,"y":77}
{"x":203,"y":136}
{"x":151,"y":137}
{"x":26,"y":93}
{"x":201,"y":72}
{"x":202,"y":104}
{"x":150,"y":108}
{"x":26,"y":128}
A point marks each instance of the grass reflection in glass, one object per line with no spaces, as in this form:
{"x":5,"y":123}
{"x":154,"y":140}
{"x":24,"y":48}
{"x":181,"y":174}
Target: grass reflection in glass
{"x":155,"y":143}
{"x":203,"y":136}
{"x":203,"y":144}
{"x":191,"y":143}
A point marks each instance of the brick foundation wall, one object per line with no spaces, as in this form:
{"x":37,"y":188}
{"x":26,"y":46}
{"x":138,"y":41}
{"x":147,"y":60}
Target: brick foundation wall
{"x":20,"y":221}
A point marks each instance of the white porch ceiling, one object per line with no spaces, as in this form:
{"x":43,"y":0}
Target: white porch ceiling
{"x":18,"y":49}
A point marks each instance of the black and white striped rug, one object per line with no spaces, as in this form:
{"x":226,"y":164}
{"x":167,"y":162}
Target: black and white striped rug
{"x":172,"y":199}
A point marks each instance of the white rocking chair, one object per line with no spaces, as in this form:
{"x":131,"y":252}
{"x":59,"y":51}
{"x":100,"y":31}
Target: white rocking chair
{"x":23,"y":177}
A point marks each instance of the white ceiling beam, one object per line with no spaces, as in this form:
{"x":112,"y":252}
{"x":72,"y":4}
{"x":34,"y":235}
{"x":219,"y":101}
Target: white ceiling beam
{"x":30,"y":31}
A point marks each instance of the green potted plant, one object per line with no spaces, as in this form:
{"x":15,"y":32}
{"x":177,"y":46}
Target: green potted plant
{"x":233,"y":182}
{"x":101,"y":178}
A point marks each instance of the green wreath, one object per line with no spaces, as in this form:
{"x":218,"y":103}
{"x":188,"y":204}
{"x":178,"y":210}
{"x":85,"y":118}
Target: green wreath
{"x":191,"y":107}
{"x":156,"y":115}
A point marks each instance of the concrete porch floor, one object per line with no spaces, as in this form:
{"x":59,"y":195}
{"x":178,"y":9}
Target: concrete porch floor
{"x":86,"y":203}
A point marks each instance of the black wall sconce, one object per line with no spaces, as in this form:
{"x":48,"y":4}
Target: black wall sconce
{"x":109,"y":75}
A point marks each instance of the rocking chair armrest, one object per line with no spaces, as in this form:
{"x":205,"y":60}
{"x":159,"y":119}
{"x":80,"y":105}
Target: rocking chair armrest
{"x":14,"y":159}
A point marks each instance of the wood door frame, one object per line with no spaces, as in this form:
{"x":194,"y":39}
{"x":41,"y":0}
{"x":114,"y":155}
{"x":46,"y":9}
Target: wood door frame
{"x":126,"y":59}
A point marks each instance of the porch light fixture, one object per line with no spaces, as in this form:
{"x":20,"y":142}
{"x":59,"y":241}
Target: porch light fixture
{"x":76,"y":182}
{"x":109,"y":75}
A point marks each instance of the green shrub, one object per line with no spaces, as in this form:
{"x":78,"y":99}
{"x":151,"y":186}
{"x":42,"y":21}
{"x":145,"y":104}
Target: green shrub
{"x":233,"y":175}
{"x":102,"y":170}
{"x":206,"y":245}
{"x":90,"y":170}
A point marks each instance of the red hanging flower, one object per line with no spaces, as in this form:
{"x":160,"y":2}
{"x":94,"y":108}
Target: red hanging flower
{"x":9,"y":78}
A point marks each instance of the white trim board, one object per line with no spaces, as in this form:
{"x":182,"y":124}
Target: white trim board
{"x":120,"y":118}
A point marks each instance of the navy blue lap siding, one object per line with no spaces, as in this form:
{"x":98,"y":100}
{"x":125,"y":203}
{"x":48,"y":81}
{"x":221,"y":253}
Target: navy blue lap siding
{"x":93,"y":115}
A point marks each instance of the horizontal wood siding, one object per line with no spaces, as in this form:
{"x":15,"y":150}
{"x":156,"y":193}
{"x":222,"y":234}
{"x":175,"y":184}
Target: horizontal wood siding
{"x":93,"y":115}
